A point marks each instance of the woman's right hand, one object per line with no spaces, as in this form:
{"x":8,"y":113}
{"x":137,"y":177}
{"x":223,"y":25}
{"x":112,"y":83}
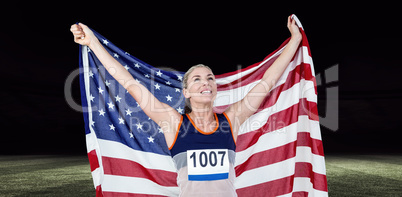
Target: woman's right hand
{"x":82,"y":34}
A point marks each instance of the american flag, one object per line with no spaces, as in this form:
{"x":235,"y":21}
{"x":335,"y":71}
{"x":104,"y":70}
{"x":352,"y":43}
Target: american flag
{"x":279,"y":150}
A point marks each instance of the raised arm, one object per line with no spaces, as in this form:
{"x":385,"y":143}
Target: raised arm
{"x":164,"y":115}
{"x":243,"y":109}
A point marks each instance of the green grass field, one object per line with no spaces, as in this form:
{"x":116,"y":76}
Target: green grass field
{"x":348,"y":175}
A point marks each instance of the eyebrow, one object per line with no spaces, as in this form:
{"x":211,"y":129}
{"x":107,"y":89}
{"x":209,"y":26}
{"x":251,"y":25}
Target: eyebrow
{"x":200,"y":75}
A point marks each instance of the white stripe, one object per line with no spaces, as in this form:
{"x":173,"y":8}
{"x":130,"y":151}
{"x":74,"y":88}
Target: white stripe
{"x":304,"y":154}
{"x":147,"y":159}
{"x":294,"y":17}
{"x":301,"y":184}
{"x":91,"y":145}
{"x":301,"y":56}
{"x":136,"y":185}
{"x":91,"y":139}
{"x":286,"y":195}
{"x":266,"y":173}
{"x":234,"y":95}
{"x":269,"y":141}
{"x":312,"y":193}
{"x":285,"y":100}
{"x":304,"y":184}
{"x":97,"y":176}
{"x":277,"y":138}
{"x":279,"y":170}
{"x":227,"y":97}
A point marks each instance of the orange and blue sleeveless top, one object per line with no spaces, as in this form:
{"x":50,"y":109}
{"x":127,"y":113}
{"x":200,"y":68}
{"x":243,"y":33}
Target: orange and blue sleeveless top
{"x":205,"y":161}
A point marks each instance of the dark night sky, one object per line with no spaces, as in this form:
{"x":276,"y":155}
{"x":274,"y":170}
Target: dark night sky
{"x":37,"y":54}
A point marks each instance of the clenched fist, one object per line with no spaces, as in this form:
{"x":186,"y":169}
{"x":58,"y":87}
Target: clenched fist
{"x":82,"y":34}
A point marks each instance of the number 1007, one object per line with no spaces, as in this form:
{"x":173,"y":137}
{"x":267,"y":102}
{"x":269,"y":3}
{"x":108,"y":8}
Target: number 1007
{"x":204,"y":159}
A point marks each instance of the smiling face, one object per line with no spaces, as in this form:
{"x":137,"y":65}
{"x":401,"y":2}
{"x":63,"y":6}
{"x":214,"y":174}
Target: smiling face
{"x":201,"y":86}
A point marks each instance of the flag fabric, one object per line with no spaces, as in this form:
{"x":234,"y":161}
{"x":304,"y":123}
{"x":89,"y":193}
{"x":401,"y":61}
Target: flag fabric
{"x":279,"y":148}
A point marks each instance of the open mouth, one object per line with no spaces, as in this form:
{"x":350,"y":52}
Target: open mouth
{"x":206,"y":92}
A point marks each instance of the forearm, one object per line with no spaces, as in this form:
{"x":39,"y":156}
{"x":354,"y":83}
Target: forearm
{"x":273,"y":73}
{"x":252,"y":101}
{"x":112,"y":65}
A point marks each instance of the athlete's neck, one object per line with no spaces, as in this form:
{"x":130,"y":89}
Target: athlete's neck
{"x":203,"y":118}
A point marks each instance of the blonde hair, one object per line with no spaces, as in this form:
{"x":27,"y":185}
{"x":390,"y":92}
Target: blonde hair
{"x":187,"y":104}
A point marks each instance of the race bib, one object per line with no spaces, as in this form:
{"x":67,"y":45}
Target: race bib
{"x":208,"y":164}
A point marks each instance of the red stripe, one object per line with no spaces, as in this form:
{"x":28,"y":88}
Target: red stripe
{"x":280,"y":153}
{"x":270,"y":156}
{"x":268,"y":189}
{"x":122,"y":194}
{"x":285,"y":185}
{"x":93,"y":160}
{"x":99,"y":192}
{"x":302,"y":71}
{"x":253,"y":65}
{"x":122,"y":167}
{"x":306,"y":44}
{"x":300,"y":194}
{"x":304,"y":139}
{"x":304,"y":169}
{"x":305,"y":41}
{"x":249,"y":78}
{"x":277,"y":121}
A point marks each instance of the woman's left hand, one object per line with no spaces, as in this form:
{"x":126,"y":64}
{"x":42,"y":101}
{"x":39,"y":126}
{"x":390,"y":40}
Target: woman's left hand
{"x":293,"y":28}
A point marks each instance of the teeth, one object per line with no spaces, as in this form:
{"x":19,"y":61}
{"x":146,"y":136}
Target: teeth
{"x":205,"y":92}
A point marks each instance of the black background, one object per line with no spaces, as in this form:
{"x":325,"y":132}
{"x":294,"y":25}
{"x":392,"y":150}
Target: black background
{"x":37,"y":55}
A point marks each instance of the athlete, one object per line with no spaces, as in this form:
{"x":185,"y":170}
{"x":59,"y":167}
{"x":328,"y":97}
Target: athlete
{"x":202,"y":143}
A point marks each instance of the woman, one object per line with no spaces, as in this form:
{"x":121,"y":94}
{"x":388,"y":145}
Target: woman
{"x":201,"y":142}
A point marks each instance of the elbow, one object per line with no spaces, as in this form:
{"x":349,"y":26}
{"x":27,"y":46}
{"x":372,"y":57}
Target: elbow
{"x":269,"y":82}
